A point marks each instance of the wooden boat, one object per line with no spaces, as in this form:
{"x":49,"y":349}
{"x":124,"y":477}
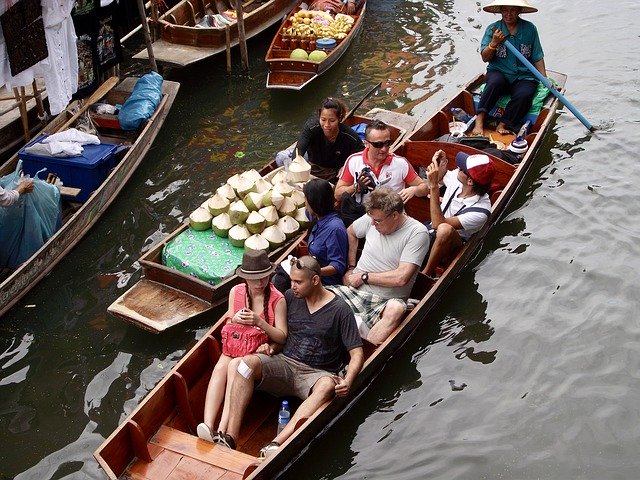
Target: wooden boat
{"x":157,"y":440}
{"x":78,"y":218}
{"x":293,"y":74}
{"x":165,"y":297}
{"x":186,"y":38}
{"x":22,"y":115}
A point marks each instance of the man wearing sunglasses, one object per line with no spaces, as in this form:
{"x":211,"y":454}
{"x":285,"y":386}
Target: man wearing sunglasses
{"x":378,"y":285}
{"x":376,"y":166}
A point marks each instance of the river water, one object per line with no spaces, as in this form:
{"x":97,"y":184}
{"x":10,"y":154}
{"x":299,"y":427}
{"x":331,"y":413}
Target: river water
{"x":541,"y":330}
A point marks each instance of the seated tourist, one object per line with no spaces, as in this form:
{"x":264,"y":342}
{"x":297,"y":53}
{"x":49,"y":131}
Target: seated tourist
{"x":322,"y":334}
{"x":465,"y":206}
{"x":378,"y":285}
{"x":257,"y":316}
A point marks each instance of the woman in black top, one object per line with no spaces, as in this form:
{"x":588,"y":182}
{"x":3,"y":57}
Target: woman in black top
{"x":327,"y":140}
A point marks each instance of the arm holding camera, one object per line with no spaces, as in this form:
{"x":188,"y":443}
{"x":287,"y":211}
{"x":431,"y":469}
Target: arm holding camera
{"x":351,"y":184}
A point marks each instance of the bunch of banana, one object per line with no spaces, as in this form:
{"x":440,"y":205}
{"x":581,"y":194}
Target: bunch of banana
{"x":305,"y":23}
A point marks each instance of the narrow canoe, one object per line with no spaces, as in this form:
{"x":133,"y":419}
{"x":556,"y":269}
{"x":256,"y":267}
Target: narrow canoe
{"x":157,"y":440}
{"x":165,"y":297}
{"x":78,"y":218}
{"x":185,"y":38}
{"x":294,"y":74}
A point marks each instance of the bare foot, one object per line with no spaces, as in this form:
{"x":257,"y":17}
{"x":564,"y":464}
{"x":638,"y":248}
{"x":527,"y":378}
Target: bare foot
{"x":502,"y":129}
{"x":478,"y":131}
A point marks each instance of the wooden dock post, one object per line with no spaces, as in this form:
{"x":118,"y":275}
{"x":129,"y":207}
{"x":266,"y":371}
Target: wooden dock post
{"x":242,"y":40}
{"x":147,"y":35}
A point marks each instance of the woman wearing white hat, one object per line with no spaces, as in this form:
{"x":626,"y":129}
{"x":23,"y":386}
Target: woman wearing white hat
{"x":505,"y":73}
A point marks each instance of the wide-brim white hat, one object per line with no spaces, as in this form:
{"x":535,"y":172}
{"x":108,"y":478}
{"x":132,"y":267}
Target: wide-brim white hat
{"x":494,"y":7}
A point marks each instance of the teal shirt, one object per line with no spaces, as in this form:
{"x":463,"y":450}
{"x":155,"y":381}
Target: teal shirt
{"x":527,"y":42}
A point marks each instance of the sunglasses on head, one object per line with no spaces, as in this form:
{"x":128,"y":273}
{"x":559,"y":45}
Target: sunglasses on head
{"x":384,"y":143}
{"x":300,"y":265}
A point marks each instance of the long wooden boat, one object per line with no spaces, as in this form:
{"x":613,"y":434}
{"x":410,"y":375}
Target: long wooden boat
{"x":78,"y":218}
{"x":186,"y":37}
{"x":166,"y":297}
{"x":157,"y":440}
{"x":294,"y":74}
{"x":22,"y":115}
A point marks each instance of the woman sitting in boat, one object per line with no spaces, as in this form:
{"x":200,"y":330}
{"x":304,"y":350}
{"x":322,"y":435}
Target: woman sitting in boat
{"x":257,"y":315}
{"x":505,"y":73}
{"x":350,"y":7}
{"x":328,"y":242}
{"x":327,"y":141}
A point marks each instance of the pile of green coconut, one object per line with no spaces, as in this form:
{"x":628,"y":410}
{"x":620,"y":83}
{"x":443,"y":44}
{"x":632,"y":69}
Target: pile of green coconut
{"x":253,"y":212}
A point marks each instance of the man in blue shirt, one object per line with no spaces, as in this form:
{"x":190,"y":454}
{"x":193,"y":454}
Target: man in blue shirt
{"x":505,"y":73}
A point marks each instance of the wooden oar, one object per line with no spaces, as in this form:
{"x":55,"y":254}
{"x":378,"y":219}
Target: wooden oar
{"x":367,"y":95}
{"x":547,"y":84}
{"x":93,"y":98}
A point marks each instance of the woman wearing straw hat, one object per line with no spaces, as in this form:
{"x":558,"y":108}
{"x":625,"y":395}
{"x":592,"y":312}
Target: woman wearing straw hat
{"x":505,"y":74}
{"x":257,"y":315}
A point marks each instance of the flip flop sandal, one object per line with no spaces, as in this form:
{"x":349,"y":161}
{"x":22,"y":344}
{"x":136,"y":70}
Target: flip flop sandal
{"x":269,"y":449}
{"x":224,"y":439}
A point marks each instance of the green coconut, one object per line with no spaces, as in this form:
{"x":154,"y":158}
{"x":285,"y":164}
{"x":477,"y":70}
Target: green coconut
{"x":270,"y":215}
{"x":289,"y":226}
{"x":262,"y":185}
{"x":218,"y":204}
{"x":256,"y":242}
{"x":272,"y":198}
{"x":287,"y":207}
{"x":234,"y":180}
{"x":275,"y":236}
{"x":298,"y":198}
{"x":238,"y":234}
{"x":301,"y":217}
{"x":200,"y":219}
{"x":284,"y":188}
{"x":317,"y":55}
{"x":227,"y":191}
{"x":221,"y":225}
{"x":252,"y":175}
{"x":253,"y":201}
{"x":255,"y":222}
{"x":238,"y":212}
{"x":245,"y":186}
{"x":279,"y":177}
{"x":299,"y":54}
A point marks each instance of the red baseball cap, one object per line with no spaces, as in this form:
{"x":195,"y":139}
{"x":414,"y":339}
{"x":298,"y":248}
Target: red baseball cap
{"x":479,"y":167}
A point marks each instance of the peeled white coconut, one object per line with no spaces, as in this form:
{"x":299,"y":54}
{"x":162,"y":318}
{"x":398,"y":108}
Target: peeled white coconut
{"x":262,"y":185}
{"x":227,"y":191}
{"x":253,"y":201}
{"x":234,"y":180}
{"x":284,"y":188}
{"x":256,"y":242}
{"x":301,"y":217}
{"x":238,"y":234}
{"x":255,"y":222}
{"x":288,"y":207}
{"x":245,"y":186}
{"x":252,"y":175}
{"x":275,"y":236}
{"x":298,"y":197}
{"x":238,"y":212}
{"x":218,"y":204}
{"x":270,"y":215}
{"x":272,"y":198}
{"x":221,"y":225}
{"x":279,"y":177}
{"x":289,"y":226}
{"x":299,"y":170}
{"x":200,"y":219}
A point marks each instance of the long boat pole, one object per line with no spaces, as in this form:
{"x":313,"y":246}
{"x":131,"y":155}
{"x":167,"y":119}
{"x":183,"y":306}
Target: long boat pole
{"x":147,"y":35}
{"x":547,"y":84}
{"x":242,"y":40}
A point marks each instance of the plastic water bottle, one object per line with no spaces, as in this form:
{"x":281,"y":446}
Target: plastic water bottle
{"x":284,"y":414}
{"x":460,"y":115}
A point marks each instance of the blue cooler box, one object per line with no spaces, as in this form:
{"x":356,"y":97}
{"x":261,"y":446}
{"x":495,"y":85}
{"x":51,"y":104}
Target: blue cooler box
{"x":86,"y":171}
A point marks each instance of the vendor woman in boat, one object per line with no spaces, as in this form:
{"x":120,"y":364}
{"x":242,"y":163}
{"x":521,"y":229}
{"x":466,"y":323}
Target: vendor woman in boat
{"x":327,"y":141}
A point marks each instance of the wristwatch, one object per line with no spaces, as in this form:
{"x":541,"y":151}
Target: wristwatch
{"x":365,"y":278}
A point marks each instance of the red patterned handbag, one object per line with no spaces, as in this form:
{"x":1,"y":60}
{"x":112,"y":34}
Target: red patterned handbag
{"x":239,"y":340}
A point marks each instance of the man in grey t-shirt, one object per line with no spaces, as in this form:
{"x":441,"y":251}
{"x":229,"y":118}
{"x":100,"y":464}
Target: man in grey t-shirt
{"x":377,"y":287}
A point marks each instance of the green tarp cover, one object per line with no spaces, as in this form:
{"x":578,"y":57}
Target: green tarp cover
{"x":202,"y":254}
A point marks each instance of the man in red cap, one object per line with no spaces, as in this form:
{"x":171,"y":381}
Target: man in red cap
{"x":465,"y":205}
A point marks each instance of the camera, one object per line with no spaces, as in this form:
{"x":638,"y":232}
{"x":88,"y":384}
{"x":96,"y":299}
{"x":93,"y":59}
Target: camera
{"x":362,"y":184}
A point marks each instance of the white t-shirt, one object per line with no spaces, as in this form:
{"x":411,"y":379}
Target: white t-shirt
{"x":474,"y":211}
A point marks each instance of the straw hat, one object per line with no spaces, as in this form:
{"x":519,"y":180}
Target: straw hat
{"x":255,"y":265}
{"x":496,"y":5}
